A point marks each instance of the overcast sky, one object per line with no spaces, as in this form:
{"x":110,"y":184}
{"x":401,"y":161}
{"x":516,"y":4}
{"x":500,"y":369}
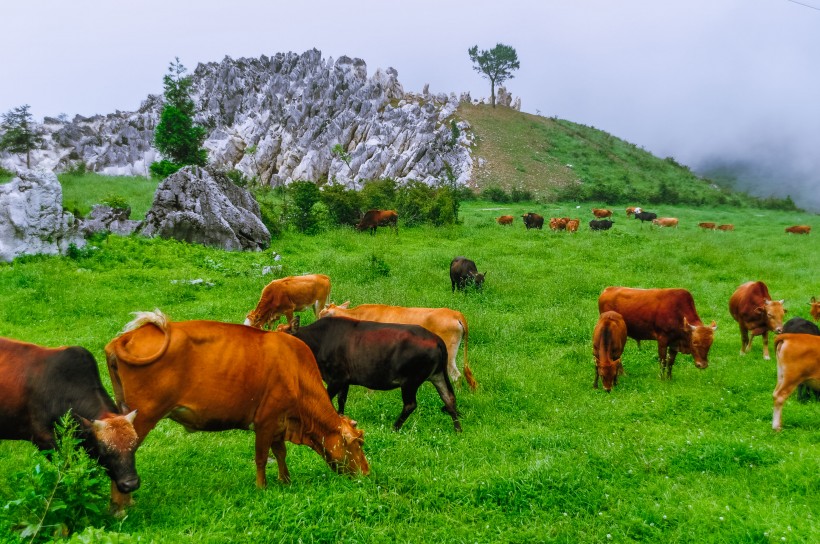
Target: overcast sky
{"x":692,"y":79}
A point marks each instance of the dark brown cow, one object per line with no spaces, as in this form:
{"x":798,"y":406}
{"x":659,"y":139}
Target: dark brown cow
{"x":463,"y":272}
{"x":798,"y":229}
{"x":601,"y":213}
{"x":288,"y":295}
{"x":211,"y":376}
{"x":798,"y":362}
{"x":665,"y":315}
{"x":755,"y":311}
{"x":39,"y":385}
{"x":815,"y":309}
{"x":645,"y":216}
{"x":726,"y":227}
{"x":533,"y":221}
{"x":505,"y":220}
{"x":608,"y":341}
{"x":600,"y":224}
{"x":379,"y":218}
{"x":707,"y":226}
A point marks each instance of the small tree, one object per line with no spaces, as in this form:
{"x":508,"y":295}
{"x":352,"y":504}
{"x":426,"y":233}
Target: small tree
{"x":305,"y":195}
{"x":21,"y":133}
{"x":496,"y":64}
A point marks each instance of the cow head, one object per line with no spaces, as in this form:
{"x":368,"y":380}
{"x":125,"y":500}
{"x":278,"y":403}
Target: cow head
{"x":478,"y":279}
{"x":291,"y":327}
{"x":609,"y":373}
{"x":773,"y":311}
{"x":113,"y":442}
{"x":815,"y":309}
{"x":700,"y":339}
{"x":254,"y":319}
{"x":345,"y":454}
{"x":330,"y":309}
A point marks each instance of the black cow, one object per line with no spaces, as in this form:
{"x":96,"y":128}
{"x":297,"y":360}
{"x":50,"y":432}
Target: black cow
{"x":645,"y":216}
{"x":600,"y":224}
{"x":38,"y":385}
{"x":803,"y":326}
{"x":381,"y":356}
{"x":463,"y":272}
{"x":533,"y":221}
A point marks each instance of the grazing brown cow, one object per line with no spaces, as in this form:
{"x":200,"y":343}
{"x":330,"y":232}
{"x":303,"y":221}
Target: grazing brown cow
{"x":630,"y":210}
{"x":755,"y":311}
{"x":211,"y":376}
{"x":708,"y":226}
{"x":450,"y":325}
{"x":608,"y":340}
{"x":815,"y":309}
{"x":572,"y":225}
{"x":726,"y":227}
{"x":558,"y":223}
{"x":288,"y":295}
{"x":505,"y":220}
{"x":798,"y":362}
{"x":666,"y":222}
{"x":601,"y":213}
{"x":665,"y":315}
{"x":533,"y":221}
{"x":39,"y":385}
{"x":379,"y":218}
{"x":799,"y":229}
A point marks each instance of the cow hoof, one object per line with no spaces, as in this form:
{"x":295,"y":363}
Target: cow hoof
{"x":767,"y":358}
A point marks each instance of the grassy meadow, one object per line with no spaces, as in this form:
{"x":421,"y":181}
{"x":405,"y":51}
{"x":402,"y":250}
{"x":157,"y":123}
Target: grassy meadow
{"x":543,"y":456}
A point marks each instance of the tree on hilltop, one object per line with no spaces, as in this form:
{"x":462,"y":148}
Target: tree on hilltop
{"x":496,"y":64}
{"x":21,"y":134}
{"x":176,"y":135}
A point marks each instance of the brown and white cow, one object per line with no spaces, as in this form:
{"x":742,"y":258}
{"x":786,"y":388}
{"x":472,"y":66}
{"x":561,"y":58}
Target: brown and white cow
{"x":726,"y":227}
{"x":608,"y":341}
{"x":815,"y":309}
{"x":505,"y":220}
{"x":601,"y":213}
{"x":707,"y":226}
{"x":798,"y":229}
{"x":39,"y":385}
{"x":379,"y":218}
{"x":665,"y":222}
{"x":631,"y":210}
{"x":665,"y":315}
{"x":288,"y":295}
{"x":798,"y":362}
{"x":211,"y":376}
{"x":450,"y":325}
{"x":756,"y":313}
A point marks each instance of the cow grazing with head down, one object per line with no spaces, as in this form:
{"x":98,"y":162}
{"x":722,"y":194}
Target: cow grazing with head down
{"x":211,"y":376}
{"x":533,"y":221}
{"x":798,"y":229}
{"x":755,"y":311}
{"x":288,"y":295}
{"x":798,"y":325}
{"x":707,"y":226}
{"x":726,"y":227}
{"x":379,"y":218}
{"x":665,"y":315}
{"x":381,"y":356}
{"x":798,"y":362}
{"x":608,"y":341}
{"x":645,"y":216}
{"x":463,"y":272}
{"x":38,"y":385}
{"x":505,"y":220}
{"x":601,"y":213}
{"x":815,"y":309}
{"x":449,"y":325}
{"x":600,"y":224}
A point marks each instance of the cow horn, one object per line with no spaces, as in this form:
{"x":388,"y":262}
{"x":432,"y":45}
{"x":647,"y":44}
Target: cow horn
{"x":131,"y":417}
{"x":99,"y":425}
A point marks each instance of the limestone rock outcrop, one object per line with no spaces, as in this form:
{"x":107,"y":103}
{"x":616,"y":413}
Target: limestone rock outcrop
{"x":107,"y":219}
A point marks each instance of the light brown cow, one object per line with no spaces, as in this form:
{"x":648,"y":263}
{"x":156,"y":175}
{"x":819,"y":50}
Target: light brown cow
{"x":631,"y":210}
{"x":726,"y":227}
{"x":288,"y":295}
{"x":666,"y":222}
{"x":601,"y":213}
{"x":798,"y":229}
{"x":450,"y":325}
{"x":505,"y":220}
{"x":572,"y":225}
{"x":815,"y":309}
{"x":708,"y":226}
{"x":755,"y":311}
{"x":608,"y":341}
{"x":558,"y":223}
{"x":211,"y":376}
{"x":798,"y":362}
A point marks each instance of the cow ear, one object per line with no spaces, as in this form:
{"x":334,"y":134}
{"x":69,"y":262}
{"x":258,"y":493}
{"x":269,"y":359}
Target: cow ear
{"x":714,"y":326}
{"x":760,"y":309}
{"x":124,"y":409}
{"x":344,"y":305}
{"x":85,"y":423}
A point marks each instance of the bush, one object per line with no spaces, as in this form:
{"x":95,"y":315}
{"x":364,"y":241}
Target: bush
{"x":520,"y":195}
{"x":344,"y":206}
{"x":443,"y":210}
{"x":164,"y":168}
{"x":495,"y":194}
{"x":238,"y":178}
{"x":76,"y":168}
{"x":268,"y":211}
{"x":379,"y":194}
{"x":116,"y":201}
{"x":305,"y":195}
{"x":412,"y":202}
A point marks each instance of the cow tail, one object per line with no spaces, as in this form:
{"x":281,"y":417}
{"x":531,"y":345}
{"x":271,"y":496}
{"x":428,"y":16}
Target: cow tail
{"x":156,"y":318}
{"x":468,"y":372}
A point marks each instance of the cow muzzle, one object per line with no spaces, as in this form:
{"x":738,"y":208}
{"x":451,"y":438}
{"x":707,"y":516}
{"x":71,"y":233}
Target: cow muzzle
{"x":128,"y":485}
{"x":701,"y":364}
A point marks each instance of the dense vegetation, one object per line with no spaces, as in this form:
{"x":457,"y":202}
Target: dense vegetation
{"x":543,"y":456}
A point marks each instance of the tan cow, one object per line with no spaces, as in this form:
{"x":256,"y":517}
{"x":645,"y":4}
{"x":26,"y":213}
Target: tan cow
{"x":572,"y":225}
{"x":726,"y":227}
{"x":608,"y":341}
{"x":601,"y":213}
{"x":288,"y":295}
{"x":211,"y":376}
{"x":798,"y":229}
{"x":505,"y":220}
{"x":707,"y":226}
{"x":815,"y":309}
{"x":450,"y":325}
{"x":755,"y":311}
{"x":666,"y":222}
{"x":558,"y":223}
{"x":798,"y":362}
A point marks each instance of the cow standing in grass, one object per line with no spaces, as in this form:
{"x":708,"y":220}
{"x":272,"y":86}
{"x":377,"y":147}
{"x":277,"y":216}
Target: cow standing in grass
{"x":752,"y":307}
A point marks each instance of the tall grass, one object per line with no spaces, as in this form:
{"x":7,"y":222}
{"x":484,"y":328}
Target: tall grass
{"x":81,"y":192}
{"x":543,"y":456}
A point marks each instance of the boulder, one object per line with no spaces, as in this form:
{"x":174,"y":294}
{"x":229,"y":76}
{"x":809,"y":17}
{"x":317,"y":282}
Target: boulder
{"x":32,"y":219}
{"x":107,"y":219}
{"x":203,"y":206}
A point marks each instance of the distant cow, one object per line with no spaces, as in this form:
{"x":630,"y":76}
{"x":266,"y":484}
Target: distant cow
{"x":707,"y":226}
{"x":600,"y":224}
{"x":726,"y":227}
{"x":665,"y":315}
{"x":572,"y":225}
{"x":211,"y":376}
{"x":645,"y":216}
{"x":39,"y":385}
{"x":463,"y":272}
{"x":608,"y":341}
{"x":558,"y":223}
{"x":379,"y":218}
{"x":533,"y":221}
{"x":798,"y":362}
{"x":666,"y":222}
{"x":288,"y":295}
{"x":631,"y":210}
{"x":505,"y":220}
{"x":601,"y":213}
{"x":450,"y":325}
{"x":755,"y":311}
{"x":799,"y":229}
{"x":381,"y":356}
{"x":815,"y":309}
{"x":803,"y":326}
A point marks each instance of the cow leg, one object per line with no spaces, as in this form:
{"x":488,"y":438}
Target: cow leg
{"x":595,"y":384}
{"x":343,"y":397}
{"x":264,"y":443}
{"x":448,"y":396}
{"x":408,"y":396}
{"x":333,"y":389}
{"x":745,"y":343}
{"x":670,"y":362}
{"x":766,"y":345}
{"x":279,"y":452}
{"x":781,"y":393}
{"x":661,"y":356}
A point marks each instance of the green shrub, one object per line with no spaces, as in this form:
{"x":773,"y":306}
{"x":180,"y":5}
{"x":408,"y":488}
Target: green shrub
{"x":116,"y":201}
{"x":305,"y":194}
{"x":344,"y":206}
{"x":76,"y":168}
{"x":238,"y":178}
{"x":269,"y":211}
{"x":518,"y":194}
{"x":379,"y":194}
{"x":412,"y":202}
{"x":495,"y":193}
{"x":164,"y":168}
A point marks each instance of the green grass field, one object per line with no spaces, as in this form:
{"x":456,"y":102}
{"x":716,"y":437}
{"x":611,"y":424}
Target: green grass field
{"x":543,"y":456}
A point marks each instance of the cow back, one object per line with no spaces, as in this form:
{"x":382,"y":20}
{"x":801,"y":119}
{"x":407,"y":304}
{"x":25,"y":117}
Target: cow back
{"x":648,"y":312}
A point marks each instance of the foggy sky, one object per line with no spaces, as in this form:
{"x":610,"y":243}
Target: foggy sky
{"x":695,"y":80}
